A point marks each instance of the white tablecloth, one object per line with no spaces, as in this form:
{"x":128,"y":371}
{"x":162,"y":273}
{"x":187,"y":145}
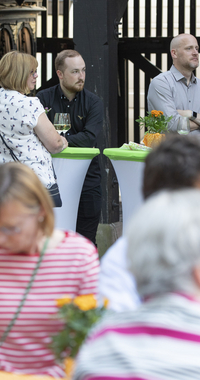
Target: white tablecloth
{"x":70,"y":172}
{"x":129,"y":166}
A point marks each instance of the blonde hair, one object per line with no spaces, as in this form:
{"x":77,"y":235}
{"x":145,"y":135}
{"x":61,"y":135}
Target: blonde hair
{"x":15,"y":69}
{"x":60,"y":63}
{"x":18,"y":182}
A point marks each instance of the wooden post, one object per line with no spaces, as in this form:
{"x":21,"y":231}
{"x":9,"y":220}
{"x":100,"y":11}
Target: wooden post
{"x":96,"y":39}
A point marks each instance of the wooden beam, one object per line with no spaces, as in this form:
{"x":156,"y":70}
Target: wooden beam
{"x":55,"y":44}
{"x":145,"y":44}
{"x":96,"y":38}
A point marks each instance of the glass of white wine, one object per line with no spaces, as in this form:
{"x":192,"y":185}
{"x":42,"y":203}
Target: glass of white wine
{"x":183,"y":127}
{"x":62,"y":122}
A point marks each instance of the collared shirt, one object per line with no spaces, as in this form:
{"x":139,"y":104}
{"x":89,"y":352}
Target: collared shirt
{"x":169,"y":91}
{"x":86,"y":113}
{"x":159,"y":340}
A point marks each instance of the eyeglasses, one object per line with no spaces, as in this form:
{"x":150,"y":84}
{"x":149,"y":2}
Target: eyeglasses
{"x":33,"y":73}
{"x":10,"y":231}
{"x":16,"y":229}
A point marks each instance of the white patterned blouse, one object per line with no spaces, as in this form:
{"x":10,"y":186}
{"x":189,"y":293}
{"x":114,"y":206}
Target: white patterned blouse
{"x":18,"y":117}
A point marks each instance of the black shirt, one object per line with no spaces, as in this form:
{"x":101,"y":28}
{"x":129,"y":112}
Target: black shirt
{"x":86,"y":113}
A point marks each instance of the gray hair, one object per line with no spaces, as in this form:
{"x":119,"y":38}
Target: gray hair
{"x":164,"y":242}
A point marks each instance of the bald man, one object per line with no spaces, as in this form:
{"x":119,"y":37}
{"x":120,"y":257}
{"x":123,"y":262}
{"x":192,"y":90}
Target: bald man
{"x":177,"y":91}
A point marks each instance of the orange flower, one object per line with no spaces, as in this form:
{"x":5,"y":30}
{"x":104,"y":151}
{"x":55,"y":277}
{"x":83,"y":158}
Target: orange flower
{"x":161,"y":112}
{"x":63,"y":301}
{"x":155,"y":113}
{"x":85,"y":302}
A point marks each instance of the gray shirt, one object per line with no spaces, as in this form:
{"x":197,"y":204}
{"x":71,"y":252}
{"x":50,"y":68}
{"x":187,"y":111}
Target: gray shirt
{"x":169,"y":91}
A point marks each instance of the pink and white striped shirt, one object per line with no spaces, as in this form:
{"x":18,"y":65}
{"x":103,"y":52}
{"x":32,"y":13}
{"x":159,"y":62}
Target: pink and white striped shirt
{"x":70,"y":269}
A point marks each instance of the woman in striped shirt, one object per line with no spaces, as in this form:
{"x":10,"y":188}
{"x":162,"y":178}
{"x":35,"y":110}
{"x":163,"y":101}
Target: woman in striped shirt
{"x":69,"y":266}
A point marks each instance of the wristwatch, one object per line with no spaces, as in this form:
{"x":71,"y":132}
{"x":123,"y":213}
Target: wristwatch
{"x":194,"y":116}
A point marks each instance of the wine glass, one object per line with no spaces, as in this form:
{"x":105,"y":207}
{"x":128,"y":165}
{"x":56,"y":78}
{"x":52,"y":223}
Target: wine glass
{"x":62,"y":122}
{"x":183,"y":127}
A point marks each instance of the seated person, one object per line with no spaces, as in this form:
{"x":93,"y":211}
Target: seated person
{"x":161,"y":339}
{"x":69,"y":267}
{"x":176,"y":92}
{"x":174,"y":164}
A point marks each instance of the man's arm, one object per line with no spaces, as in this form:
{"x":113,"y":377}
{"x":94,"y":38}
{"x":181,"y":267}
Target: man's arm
{"x":194,"y":124}
{"x":160,"y":98}
{"x":93,"y":126}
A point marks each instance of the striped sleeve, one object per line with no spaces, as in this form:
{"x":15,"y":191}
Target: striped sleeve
{"x":71,"y":269}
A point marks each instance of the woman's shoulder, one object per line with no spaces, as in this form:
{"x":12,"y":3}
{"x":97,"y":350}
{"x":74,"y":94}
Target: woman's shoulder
{"x":33,"y":102}
{"x":13,"y":97}
{"x":70,"y":241}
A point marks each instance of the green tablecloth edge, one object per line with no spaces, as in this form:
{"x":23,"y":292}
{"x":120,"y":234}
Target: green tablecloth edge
{"x":117,"y":154}
{"x":77,"y":153}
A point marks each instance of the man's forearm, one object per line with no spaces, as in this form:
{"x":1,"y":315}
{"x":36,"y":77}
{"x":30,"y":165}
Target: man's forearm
{"x":194,"y":123}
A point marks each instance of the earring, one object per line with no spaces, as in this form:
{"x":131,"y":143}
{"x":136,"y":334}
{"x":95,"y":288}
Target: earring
{"x":40,"y":218}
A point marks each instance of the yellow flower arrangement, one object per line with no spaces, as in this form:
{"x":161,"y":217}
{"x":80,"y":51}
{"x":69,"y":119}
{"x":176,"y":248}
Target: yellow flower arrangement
{"x":78,"y":316}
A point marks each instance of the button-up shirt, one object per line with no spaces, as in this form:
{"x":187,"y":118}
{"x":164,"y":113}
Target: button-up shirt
{"x":86,"y":113}
{"x":169,"y":92}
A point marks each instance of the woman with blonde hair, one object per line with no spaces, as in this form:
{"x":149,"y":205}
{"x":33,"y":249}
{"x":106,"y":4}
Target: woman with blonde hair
{"x":26,"y":134}
{"x":37,"y":266}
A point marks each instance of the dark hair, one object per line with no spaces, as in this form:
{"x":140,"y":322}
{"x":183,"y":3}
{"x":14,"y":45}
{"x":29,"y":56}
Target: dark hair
{"x":60,"y":59}
{"x":174,"y":164}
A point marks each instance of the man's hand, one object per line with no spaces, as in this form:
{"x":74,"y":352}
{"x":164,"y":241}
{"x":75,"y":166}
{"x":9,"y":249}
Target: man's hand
{"x":186,"y":113}
{"x":194,"y":124}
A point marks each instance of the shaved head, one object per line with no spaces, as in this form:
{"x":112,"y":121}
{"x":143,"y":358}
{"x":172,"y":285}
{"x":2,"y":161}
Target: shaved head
{"x":177,"y":41}
{"x":184,"y":50}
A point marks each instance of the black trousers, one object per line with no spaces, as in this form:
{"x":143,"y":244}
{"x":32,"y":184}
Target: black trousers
{"x":89,"y":213}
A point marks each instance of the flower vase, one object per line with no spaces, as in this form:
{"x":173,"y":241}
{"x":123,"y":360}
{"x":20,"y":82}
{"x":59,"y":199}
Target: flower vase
{"x":153,"y":139}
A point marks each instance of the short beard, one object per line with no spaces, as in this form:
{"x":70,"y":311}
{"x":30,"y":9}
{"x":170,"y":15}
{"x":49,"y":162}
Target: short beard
{"x":80,"y":86}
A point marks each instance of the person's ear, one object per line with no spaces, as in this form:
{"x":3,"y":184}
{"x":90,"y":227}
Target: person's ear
{"x":60,"y":74}
{"x":173,"y":53}
{"x":41,"y":215}
{"x":196,"y":274}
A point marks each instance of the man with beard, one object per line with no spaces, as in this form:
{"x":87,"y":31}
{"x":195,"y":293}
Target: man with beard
{"x":177,"y":91}
{"x":86,"y":113}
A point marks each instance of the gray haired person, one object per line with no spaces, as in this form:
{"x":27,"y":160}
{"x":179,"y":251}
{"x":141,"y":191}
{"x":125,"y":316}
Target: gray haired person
{"x":174,"y":164}
{"x":161,"y":338}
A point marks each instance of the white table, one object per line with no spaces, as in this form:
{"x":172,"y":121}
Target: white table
{"x":128,"y":166}
{"x":71,"y":166}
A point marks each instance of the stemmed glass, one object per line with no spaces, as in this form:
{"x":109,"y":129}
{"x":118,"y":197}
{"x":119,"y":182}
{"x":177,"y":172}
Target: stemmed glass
{"x":183,"y":127}
{"x":62,"y":122}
